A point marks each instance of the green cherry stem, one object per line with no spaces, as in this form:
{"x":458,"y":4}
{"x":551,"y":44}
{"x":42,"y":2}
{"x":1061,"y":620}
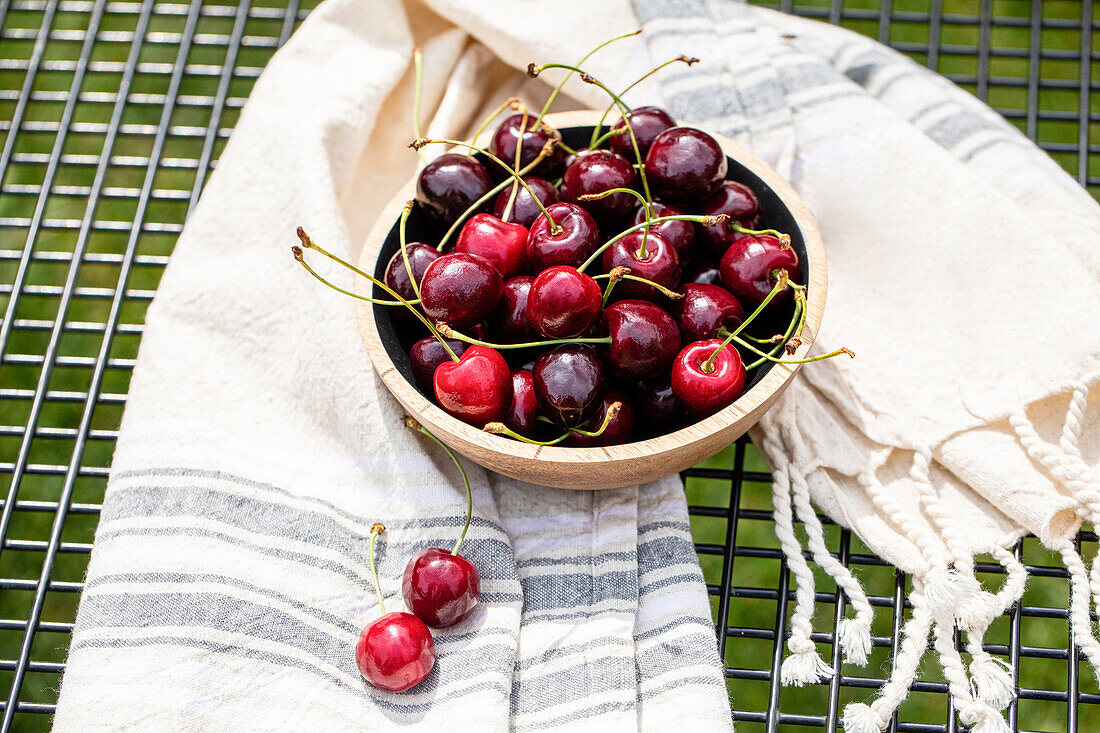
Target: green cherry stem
{"x":421,"y":142}
{"x":785,"y":239}
{"x":409,"y":422}
{"x":611,"y":414}
{"x":376,"y":529}
{"x":641,"y":254}
{"x":605,"y":137}
{"x":704,"y":220}
{"x":613,"y":278}
{"x":558,"y":88}
{"x":418,"y":64}
{"x":791,"y":338}
{"x":769,"y":357}
{"x":499,"y":428}
{"x":404,"y":248}
{"x":689,"y":60}
{"x":780,"y":285}
{"x":513,"y":103}
{"x":301,"y":260}
{"x":627,"y":276}
{"x":453,"y":334}
{"x":564,"y":147}
{"x":515,"y":185}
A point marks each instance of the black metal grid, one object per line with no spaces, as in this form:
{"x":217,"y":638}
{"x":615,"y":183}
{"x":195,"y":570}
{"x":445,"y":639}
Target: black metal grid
{"x":112,"y":113}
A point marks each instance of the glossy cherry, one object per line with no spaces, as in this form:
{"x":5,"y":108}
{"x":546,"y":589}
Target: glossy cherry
{"x":395,"y":652}
{"x":563,"y":302}
{"x":523,"y":415}
{"x":751,"y":264}
{"x":596,"y":171}
{"x":502,"y":243}
{"x":477,"y":388}
{"x":397,"y":277}
{"x":508,"y":322}
{"x":619,"y":430}
{"x":737,"y":201}
{"x":450,"y":184}
{"x":656,"y":408}
{"x":706,"y":392}
{"x":460,"y":289}
{"x":703,"y":271}
{"x":569,"y":382}
{"x":427,"y":354}
{"x":680,"y":234}
{"x":578,"y":239}
{"x":441,"y":588}
{"x":644,"y":339}
{"x":684,"y":164}
{"x":525,"y":210}
{"x":647,"y":123}
{"x":706,"y":308}
{"x":505,"y":139}
{"x":658,"y":262}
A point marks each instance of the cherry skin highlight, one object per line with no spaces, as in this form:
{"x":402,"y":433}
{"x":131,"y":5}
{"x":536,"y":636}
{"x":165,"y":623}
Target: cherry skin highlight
{"x":502,"y":243}
{"x":706,"y":308}
{"x":460,"y":289}
{"x":427,"y":354}
{"x":477,"y":388}
{"x":449,"y":185}
{"x":441,"y":589}
{"x":507,"y":137}
{"x":523,"y":415}
{"x":660,"y":264}
{"x":563,"y":302}
{"x":524,"y":209}
{"x":739,"y":203}
{"x":750,"y":266}
{"x":703,"y":392}
{"x":596,"y":171}
{"x":578,"y":239}
{"x":395,"y":652}
{"x":644,"y":339}
{"x":569,"y":382}
{"x":647,"y":123}
{"x":508,"y":323}
{"x":684,"y":164}
{"x":680,"y":234}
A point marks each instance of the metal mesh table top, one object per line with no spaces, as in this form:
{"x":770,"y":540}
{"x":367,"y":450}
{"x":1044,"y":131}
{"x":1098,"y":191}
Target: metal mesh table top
{"x":112,"y":115}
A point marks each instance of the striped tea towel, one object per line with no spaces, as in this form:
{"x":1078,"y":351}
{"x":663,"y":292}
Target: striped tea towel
{"x":229,"y":581}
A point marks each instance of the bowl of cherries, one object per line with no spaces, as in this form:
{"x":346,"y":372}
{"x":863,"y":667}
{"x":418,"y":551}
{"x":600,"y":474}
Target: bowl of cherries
{"x":587,"y":304}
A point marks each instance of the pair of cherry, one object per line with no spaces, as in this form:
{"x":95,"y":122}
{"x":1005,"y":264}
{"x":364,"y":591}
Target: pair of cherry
{"x":440,"y":588}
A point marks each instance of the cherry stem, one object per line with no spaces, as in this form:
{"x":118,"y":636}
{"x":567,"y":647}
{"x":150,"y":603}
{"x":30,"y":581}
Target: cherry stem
{"x":611,"y":414}
{"x":769,"y":357}
{"x":613,"y":278}
{"x":558,"y":88}
{"x":453,"y":334}
{"x":699,"y":219}
{"x":499,"y":428}
{"x":490,"y":194}
{"x":646,"y":206}
{"x":510,"y":103}
{"x":409,"y":422}
{"x":375,"y":530}
{"x":627,"y":276}
{"x":689,"y":60}
{"x":780,"y":285}
{"x":794,"y":329}
{"x":606,"y":136}
{"x":785,"y":239}
{"x":515,"y":186}
{"x":565,"y":147}
{"x":404,"y":248}
{"x":337,"y":288}
{"x":421,"y":142}
{"x":418,"y":64}
{"x":308,"y":243}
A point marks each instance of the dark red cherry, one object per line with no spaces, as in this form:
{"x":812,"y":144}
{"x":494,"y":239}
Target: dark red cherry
{"x":578,"y":239}
{"x":706,"y":308}
{"x":563,"y":302}
{"x":427,"y":354}
{"x":737,"y":201}
{"x":441,"y":589}
{"x":502,"y":243}
{"x":619,"y":430}
{"x":397,"y":277}
{"x":508,"y":323}
{"x":702,"y":270}
{"x":751,"y":264}
{"x":684,"y":164}
{"x":597,"y":171}
{"x":647,"y":123}
{"x":450,"y":184}
{"x":395,"y":652}
{"x":569,"y":382}
{"x":680,"y":234}
{"x":523,"y":416}
{"x":706,"y":392}
{"x":460,"y":289}
{"x":658,"y":263}
{"x":477,"y":388}
{"x":656,"y":409}
{"x":506,"y":138}
{"x":644,"y":339}
{"x":525,"y":210}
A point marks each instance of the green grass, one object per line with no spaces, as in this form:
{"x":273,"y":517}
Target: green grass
{"x":173,"y":184}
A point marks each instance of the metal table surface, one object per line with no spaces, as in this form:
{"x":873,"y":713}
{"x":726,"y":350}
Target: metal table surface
{"x":112,"y":115}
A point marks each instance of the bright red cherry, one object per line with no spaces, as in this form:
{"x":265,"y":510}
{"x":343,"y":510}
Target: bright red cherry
{"x":706,"y":308}
{"x":507,"y":137}
{"x":508,"y":322}
{"x":684,"y":164}
{"x":737,"y":201}
{"x":427,"y":354}
{"x":440,"y":588}
{"x":477,"y":388}
{"x":647,"y":123}
{"x":656,"y":408}
{"x":395,"y":652}
{"x":460,"y":289}
{"x":523,"y":416}
{"x":680,"y":234}
{"x":620,"y":429}
{"x":502,"y":243}
{"x":751,"y":265}
{"x":450,"y":184}
{"x":658,"y":262}
{"x":578,"y":239}
{"x":569,"y":383}
{"x":597,"y":171}
{"x":707,"y":390}
{"x":525,"y":210}
{"x":563,"y":302}
{"x":644,"y":339}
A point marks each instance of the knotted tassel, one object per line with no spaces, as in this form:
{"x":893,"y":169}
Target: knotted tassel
{"x":804,"y":666}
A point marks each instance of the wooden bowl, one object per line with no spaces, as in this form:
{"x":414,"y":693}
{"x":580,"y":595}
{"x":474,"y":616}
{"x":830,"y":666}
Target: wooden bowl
{"x":613,"y":466}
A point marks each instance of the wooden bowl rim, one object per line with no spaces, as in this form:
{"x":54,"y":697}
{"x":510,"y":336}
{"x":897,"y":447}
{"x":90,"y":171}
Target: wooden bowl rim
{"x":432,"y":416}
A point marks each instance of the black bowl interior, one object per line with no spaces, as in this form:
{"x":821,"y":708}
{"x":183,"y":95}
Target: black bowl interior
{"x":398,"y":334}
